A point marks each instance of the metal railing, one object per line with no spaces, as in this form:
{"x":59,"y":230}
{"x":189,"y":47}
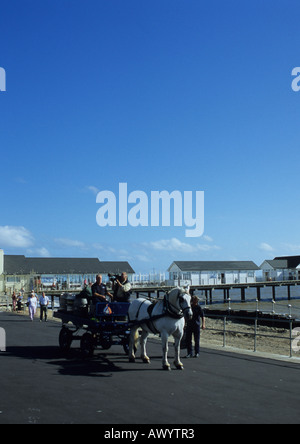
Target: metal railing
{"x":293,"y":337}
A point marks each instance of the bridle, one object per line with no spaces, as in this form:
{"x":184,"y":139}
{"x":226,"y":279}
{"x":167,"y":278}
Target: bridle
{"x":172,"y":310}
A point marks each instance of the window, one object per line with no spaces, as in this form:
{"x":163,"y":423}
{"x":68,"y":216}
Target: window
{"x":186,"y":276}
{"x":13,"y":280}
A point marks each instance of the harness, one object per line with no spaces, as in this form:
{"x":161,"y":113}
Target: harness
{"x":149,"y":322}
{"x":168,"y":310}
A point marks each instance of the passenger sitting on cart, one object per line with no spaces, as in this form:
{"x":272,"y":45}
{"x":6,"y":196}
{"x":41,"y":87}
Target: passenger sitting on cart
{"x":99,"y":293}
{"x":122,"y":289}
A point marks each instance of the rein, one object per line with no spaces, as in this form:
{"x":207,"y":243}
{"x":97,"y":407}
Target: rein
{"x":172,"y":311}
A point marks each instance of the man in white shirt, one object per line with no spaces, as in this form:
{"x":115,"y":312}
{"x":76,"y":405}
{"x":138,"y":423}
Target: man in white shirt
{"x":44,"y":302}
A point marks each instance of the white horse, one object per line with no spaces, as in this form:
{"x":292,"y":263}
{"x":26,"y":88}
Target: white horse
{"x":165,"y":317}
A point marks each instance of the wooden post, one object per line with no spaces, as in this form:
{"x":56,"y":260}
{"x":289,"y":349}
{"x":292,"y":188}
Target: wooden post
{"x":289,"y":292}
{"x":52,"y":304}
{"x":243,"y":294}
{"x":258,"y":294}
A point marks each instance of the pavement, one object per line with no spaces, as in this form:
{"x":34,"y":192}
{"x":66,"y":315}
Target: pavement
{"x":39,"y":385}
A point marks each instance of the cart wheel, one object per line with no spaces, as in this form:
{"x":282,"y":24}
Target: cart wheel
{"x":65,"y":339}
{"x":106,"y":342}
{"x":87,"y":345}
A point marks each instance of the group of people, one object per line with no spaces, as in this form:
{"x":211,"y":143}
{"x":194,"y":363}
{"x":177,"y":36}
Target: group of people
{"x":121,"y":289}
{"x":32,"y":304}
{"x":17,"y":301}
{"x":121,"y":293}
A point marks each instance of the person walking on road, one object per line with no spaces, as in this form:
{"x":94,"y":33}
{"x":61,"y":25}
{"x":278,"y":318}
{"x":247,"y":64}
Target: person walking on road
{"x":32,"y":305}
{"x":14,"y":301}
{"x":44,"y":302}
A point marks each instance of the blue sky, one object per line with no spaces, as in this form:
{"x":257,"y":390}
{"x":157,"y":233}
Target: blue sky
{"x":162,"y":95}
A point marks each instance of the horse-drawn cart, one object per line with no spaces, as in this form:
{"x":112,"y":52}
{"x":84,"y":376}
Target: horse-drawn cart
{"x":118,"y":323}
{"x":108,"y":326}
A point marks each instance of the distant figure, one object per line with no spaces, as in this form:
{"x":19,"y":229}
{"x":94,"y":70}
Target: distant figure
{"x":44,"y":302}
{"x":32,"y":305}
{"x":193,"y":328}
{"x":14,"y":301}
{"x":19,"y":301}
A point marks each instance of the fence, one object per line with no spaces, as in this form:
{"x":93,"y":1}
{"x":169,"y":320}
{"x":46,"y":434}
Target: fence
{"x":252,"y":331}
{"x":5,"y":301}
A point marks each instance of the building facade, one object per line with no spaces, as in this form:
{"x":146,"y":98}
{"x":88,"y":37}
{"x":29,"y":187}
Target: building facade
{"x":212,"y":272}
{"x":284,"y":268}
{"x":17,"y":272}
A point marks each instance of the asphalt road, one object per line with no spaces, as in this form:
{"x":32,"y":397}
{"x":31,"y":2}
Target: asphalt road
{"x":39,"y":385}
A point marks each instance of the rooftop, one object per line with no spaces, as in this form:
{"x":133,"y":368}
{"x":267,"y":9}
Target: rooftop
{"x":21,"y":265}
{"x":215,"y":265}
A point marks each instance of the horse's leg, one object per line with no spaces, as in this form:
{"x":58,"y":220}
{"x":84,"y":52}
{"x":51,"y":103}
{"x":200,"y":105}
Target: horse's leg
{"x":165,"y":349}
{"x":177,"y":363}
{"x":144,"y":356}
{"x":132,"y":343}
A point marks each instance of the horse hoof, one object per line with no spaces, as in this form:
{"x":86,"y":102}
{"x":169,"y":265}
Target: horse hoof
{"x":167,"y":367}
{"x":179,"y":366}
{"x":132,"y":360}
{"x":146,"y":360}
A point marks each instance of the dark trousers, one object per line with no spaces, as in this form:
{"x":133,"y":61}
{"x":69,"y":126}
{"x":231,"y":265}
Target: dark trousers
{"x":190,"y":331}
{"x":43,"y":309}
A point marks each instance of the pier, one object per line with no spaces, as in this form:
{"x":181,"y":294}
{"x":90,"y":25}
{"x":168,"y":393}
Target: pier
{"x":226,"y":289}
{"x":207,"y":291}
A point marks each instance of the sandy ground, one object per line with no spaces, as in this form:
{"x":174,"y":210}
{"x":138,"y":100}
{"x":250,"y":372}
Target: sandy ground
{"x":268,"y":340}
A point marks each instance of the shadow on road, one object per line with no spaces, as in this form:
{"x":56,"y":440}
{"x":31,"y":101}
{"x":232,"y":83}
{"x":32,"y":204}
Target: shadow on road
{"x":73,"y":364}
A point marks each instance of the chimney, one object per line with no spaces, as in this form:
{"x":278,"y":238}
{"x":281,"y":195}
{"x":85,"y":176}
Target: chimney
{"x":1,"y":262}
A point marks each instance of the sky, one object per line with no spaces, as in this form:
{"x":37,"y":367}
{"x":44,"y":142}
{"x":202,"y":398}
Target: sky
{"x":186,"y":95}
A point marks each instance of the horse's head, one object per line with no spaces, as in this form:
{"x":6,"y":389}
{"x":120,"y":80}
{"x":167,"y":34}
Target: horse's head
{"x":185,"y":303}
{"x":181,"y":299}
